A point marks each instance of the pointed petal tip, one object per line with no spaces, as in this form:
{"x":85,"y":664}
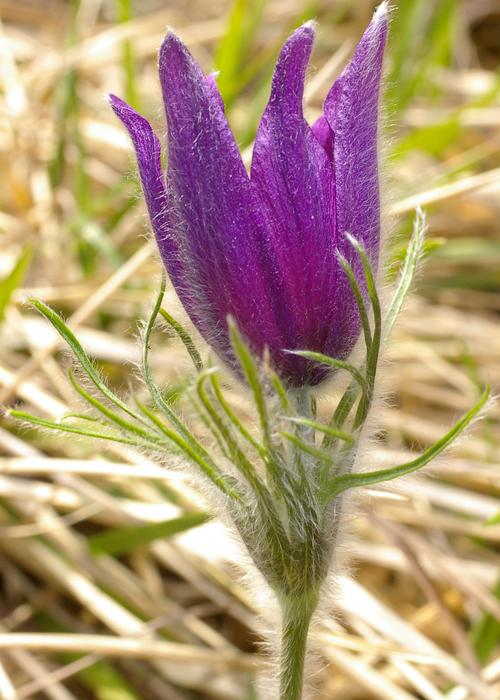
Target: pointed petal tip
{"x":170,"y":45}
{"x":123,"y":111}
{"x":175,"y":62}
{"x":381,"y":14}
{"x":305,"y":31}
{"x":298,"y":41}
{"x":170,"y":35}
{"x":131,"y":119}
{"x":309,"y":26}
{"x":115,"y":102}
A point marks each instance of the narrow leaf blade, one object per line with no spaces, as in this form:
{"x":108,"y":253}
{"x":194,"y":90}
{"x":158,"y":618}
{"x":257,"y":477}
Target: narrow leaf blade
{"x":124,"y":540}
{"x":348,"y":481}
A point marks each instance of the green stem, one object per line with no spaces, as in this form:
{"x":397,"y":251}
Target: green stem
{"x":296,"y":616}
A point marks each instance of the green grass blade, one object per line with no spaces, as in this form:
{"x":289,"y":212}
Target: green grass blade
{"x":11,"y":282}
{"x":125,"y":14}
{"x":103,"y":680}
{"x":232,"y":55}
{"x":123,"y":540}
{"x":485,"y":634}
{"x":421,"y":42}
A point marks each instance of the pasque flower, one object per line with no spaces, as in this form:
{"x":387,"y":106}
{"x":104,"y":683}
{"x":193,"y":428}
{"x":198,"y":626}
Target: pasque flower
{"x":263,"y":247}
{"x":288,"y":250}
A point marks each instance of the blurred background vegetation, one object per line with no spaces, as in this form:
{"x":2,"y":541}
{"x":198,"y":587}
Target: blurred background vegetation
{"x":112,"y":584}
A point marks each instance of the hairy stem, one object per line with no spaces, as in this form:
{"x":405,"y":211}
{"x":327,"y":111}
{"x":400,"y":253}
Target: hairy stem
{"x":296,"y":618}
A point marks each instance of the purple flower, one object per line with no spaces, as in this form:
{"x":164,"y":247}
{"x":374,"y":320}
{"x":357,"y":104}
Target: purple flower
{"x":263,"y":247}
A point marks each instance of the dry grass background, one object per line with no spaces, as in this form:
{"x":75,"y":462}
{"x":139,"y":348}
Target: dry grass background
{"x":90,"y":610}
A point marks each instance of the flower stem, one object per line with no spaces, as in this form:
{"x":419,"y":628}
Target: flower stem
{"x":296,"y":618}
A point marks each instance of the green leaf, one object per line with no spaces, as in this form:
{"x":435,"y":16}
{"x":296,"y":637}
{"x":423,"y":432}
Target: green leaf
{"x":374,"y":347}
{"x":324,"y":428}
{"x":349,"y":481}
{"x":185,"y":338}
{"x":202,"y":415}
{"x":185,"y":439}
{"x":69,"y":337}
{"x":413,"y":254}
{"x":233,"y":418}
{"x":250,"y":371}
{"x":156,"y":395}
{"x":123,"y":540}
{"x":343,"y":408}
{"x":359,"y":300}
{"x":122,"y":423}
{"x":306,"y":447}
{"x":82,"y":416}
{"x":281,"y":392}
{"x":238,"y":457}
{"x":193,"y":451}
{"x":331,"y":362}
{"x":11,"y":282}
{"x":65,"y":428}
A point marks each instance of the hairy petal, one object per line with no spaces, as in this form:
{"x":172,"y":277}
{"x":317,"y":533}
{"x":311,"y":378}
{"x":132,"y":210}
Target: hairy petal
{"x":351,"y":109}
{"x":212,"y":84}
{"x":148,"y":152}
{"x":220,"y":226}
{"x":323,"y":133}
{"x":294,"y":178}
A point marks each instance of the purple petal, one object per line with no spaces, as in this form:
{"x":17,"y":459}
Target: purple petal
{"x":220,"y":225}
{"x":323,"y":133}
{"x":294,"y":177}
{"x":148,"y":152}
{"x":351,"y":109}
{"x":212,"y":84}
